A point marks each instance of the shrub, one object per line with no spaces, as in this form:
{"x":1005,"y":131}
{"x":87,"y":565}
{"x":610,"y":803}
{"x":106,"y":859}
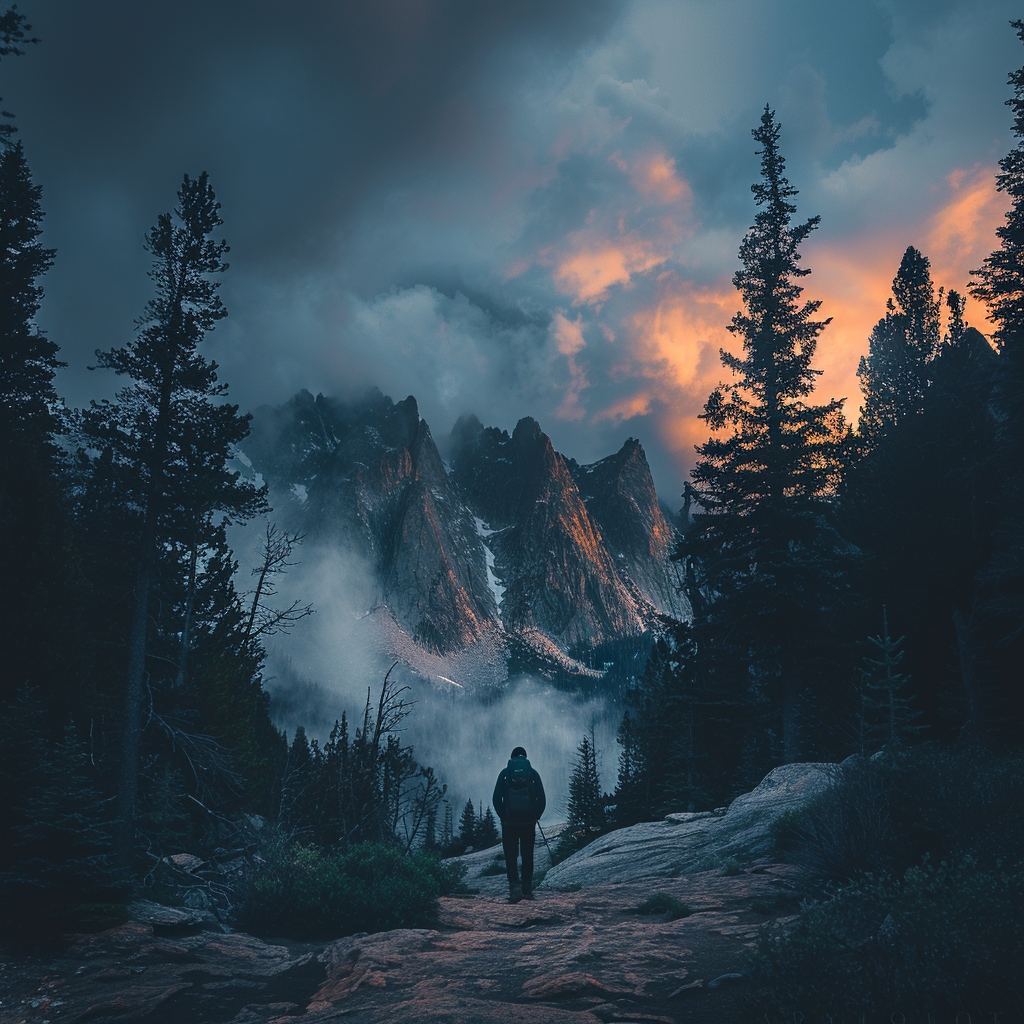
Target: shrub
{"x":882,"y":815}
{"x":938,"y":939}
{"x":302,"y":892}
{"x":496,"y":867}
{"x":776,"y":903}
{"x":664,"y":903}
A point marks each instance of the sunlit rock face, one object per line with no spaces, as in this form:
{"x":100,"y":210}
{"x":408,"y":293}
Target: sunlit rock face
{"x":619,"y":495}
{"x":585,"y":565}
{"x":512,"y":541}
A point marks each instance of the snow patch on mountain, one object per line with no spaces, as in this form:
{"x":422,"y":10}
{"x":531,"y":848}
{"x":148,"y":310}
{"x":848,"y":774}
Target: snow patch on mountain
{"x":497,"y":589}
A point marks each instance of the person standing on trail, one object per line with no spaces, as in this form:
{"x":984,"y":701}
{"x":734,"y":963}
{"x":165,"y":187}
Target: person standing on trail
{"x":519,"y":802}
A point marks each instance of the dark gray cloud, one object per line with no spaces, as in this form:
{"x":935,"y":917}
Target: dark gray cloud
{"x":523,"y":208}
{"x":297,"y":111}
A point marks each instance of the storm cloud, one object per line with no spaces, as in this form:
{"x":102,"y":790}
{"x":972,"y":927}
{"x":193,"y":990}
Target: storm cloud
{"x":530,"y":208}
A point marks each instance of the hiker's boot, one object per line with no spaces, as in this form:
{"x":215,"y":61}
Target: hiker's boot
{"x":515,"y":892}
{"x":528,"y":894}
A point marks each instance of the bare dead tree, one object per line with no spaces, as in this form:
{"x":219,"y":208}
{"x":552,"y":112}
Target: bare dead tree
{"x":419,"y":804}
{"x":376,"y":775}
{"x":264,"y":620}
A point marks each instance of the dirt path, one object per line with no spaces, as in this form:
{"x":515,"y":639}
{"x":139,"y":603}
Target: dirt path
{"x":585,"y":957}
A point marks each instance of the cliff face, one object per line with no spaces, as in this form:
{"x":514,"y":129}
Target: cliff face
{"x":515,"y":540}
{"x":619,"y":494}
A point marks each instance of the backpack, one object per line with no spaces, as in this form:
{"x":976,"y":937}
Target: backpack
{"x":519,"y":804}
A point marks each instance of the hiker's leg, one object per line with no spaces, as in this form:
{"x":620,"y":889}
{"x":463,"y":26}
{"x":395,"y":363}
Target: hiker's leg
{"x":510,"y":844}
{"x":528,"y":837}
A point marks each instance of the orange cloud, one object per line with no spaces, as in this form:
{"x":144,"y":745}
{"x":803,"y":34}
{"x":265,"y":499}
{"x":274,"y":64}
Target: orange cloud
{"x":853,"y":277}
{"x":654,"y":176}
{"x":628,"y":239}
{"x":625,"y":409}
{"x":597,"y":264}
{"x":674,"y":342}
{"x":963,"y":232}
{"x":681,"y":434}
{"x":673,"y":339}
{"x":569,"y":340}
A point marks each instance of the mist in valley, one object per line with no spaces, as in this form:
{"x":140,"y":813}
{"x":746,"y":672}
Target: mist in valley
{"x":465,"y":718}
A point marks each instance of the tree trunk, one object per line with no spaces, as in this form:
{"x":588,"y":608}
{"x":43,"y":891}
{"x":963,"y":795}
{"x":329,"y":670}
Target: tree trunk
{"x":127,"y":779}
{"x":187,"y":624}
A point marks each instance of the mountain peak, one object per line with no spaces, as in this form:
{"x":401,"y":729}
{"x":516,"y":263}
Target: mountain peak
{"x":527,"y":432}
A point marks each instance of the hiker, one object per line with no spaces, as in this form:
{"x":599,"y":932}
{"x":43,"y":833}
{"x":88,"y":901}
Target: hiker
{"x":519,"y":802}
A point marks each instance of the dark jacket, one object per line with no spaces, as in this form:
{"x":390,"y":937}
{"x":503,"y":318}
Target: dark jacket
{"x":536,"y":791}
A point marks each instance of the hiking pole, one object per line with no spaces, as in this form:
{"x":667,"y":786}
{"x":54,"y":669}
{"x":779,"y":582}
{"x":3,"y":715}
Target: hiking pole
{"x":547,"y":844}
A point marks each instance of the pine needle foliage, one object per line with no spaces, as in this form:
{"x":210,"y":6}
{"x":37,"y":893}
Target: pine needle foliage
{"x":585,"y":813}
{"x":887,"y":716}
{"x":894,"y":374}
{"x":1000,"y":284}
{"x":763,"y":557}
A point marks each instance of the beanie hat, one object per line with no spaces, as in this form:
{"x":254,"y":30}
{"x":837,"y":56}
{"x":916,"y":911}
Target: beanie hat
{"x":519,"y":752}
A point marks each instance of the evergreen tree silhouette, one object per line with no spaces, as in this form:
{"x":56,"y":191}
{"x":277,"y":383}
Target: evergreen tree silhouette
{"x":59,"y":861}
{"x":585,"y":812}
{"x":467,"y":824}
{"x":763,"y":556}
{"x":999,"y":282}
{"x":887,"y":716}
{"x":894,"y":374}
{"x":486,"y":831}
{"x":172,"y":432}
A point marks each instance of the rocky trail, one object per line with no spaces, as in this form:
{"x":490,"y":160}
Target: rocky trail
{"x":584,"y":957}
{"x":576,"y":954}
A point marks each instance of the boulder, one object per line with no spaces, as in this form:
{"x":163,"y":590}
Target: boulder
{"x":174,"y":919}
{"x":695,"y":841}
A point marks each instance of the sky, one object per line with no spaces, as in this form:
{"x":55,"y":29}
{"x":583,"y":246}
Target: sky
{"x":526,"y":208}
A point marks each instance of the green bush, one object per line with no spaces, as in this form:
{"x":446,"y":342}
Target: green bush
{"x":664,"y":903}
{"x":303,"y":892}
{"x":939,"y":939}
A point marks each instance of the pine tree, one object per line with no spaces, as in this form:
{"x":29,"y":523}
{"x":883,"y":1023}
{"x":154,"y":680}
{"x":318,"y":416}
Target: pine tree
{"x":28,"y":359}
{"x":447,"y":830}
{"x":1000,"y":284}
{"x":172,"y":433}
{"x":931,"y":483}
{"x":60,"y":859}
{"x":38,"y":613}
{"x":629,"y":786}
{"x":763,"y":555}
{"x":430,"y":831}
{"x":486,"y":831}
{"x":887,"y":716}
{"x":894,"y":374}
{"x":585,"y":815}
{"x":467,"y":824}
{"x":12,"y":35}
{"x":957,"y":325}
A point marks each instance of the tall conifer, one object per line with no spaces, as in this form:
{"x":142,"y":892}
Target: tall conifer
{"x":172,"y":432}
{"x":1000,"y":283}
{"x":760,"y":547}
{"x":894,"y":374}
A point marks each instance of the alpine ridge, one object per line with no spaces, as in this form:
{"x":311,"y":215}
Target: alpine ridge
{"x":551,"y":566}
